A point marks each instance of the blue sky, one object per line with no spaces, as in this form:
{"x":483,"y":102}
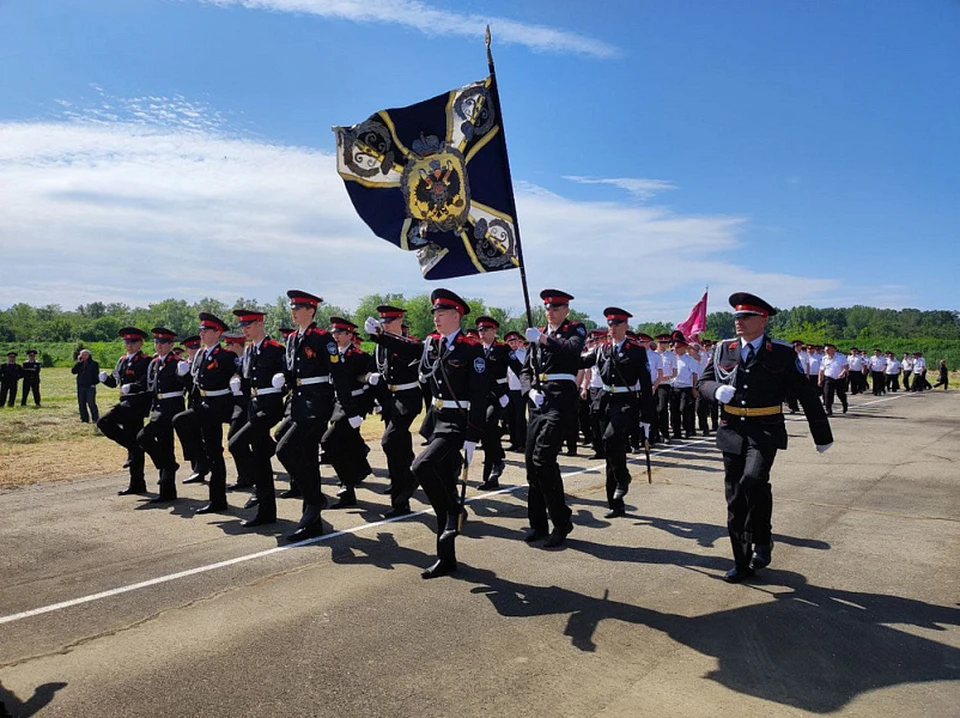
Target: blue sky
{"x":806,"y":151}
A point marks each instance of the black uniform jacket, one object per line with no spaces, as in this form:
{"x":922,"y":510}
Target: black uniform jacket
{"x":163,"y":383}
{"x":309,"y":354}
{"x":132,"y":370}
{"x":458,"y":374}
{"x":772,"y":375}
{"x":498,"y":361}
{"x":257,"y":369}
{"x":397,"y":360}
{"x":560,"y":355}
{"x":212,"y":374}
{"x":31,"y":373}
{"x":626,"y":366}
{"x":356,"y":365}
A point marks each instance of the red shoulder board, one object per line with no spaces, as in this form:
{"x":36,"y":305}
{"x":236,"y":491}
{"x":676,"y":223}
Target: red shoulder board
{"x":733,"y":345}
{"x":464,"y":339}
{"x":769,"y":346}
{"x":573,"y":323}
{"x":499,"y":343}
{"x":434,"y":335}
{"x":273,"y":343}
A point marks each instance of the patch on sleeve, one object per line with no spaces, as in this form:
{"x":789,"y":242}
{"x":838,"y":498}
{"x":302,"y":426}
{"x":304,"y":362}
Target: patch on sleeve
{"x":799,"y":365}
{"x":331,"y":348}
{"x":582,"y":330}
{"x":479,"y":365}
{"x":513,"y":355}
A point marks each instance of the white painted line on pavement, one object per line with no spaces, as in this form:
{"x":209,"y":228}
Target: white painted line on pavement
{"x":326,"y":537}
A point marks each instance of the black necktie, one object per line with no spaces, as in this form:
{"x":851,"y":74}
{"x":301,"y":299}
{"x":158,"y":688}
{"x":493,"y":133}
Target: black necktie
{"x":750,"y":353}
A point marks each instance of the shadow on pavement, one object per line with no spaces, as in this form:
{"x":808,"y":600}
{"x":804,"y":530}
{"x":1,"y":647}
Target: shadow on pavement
{"x":12,"y":707}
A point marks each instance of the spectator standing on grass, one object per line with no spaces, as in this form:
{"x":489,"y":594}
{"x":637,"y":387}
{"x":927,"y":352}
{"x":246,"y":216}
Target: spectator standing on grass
{"x":31,"y":378}
{"x":87,"y":370}
{"x":944,"y":375}
{"x":10,"y":374}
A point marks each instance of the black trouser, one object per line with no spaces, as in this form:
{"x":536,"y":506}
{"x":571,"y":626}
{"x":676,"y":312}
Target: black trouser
{"x":879,"y":382}
{"x":211,"y":420}
{"x":298,"y":449}
{"x":156,"y":439}
{"x":397,"y":444}
{"x":814,"y":381}
{"x":620,"y":415}
{"x":749,"y":500}
{"x":584,"y":424}
{"x":596,"y":418}
{"x":549,"y":426}
{"x":664,"y":392}
{"x":87,"y":401}
{"x":906,"y":381}
{"x":8,"y":389}
{"x":345,"y":449}
{"x":237,"y":421}
{"x":252,"y":447}
{"x":831,"y":387}
{"x":122,"y":424}
{"x":682,"y":411}
{"x":29,"y":386}
{"x":187,"y":426}
{"x":436,"y":470}
{"x":893,"y":382}
{"x":703,"y":412}
{"x":493,"y":453}
{"x":518,"y":419}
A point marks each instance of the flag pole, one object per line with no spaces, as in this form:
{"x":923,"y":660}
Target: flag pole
{"x":506,"y":162}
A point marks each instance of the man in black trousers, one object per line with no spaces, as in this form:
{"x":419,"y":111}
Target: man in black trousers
{"x":31,"y":378}
{"x":750,"y":376}
{"x":87,"y":370}
{"x":10,"y":374}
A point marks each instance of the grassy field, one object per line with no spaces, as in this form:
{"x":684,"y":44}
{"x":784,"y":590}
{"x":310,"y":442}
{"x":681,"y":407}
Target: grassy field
{"x":49,"y":442}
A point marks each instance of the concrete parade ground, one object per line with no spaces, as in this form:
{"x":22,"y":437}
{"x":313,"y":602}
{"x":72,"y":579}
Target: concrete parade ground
{"x":112,"y":607}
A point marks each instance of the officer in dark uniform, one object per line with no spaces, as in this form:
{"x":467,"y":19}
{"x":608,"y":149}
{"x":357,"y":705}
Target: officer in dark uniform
{"x":314,"y":375}
{"x":10,"y":374}
{"x":622,"y":364}
{"x":186,"y":426}
{"x":234,"y":343}
{"x":455,"y":371}
{"x":342,"y":444}
{"x":397,"y":358}
{"x":123,"y":422}
{"x":262,"y":375}
{"x":750,"y":377}
{"x":497,"y":355}
{"x":166,"y":390}
{"x":517,"y":411}
{"x":661,"y":430}
{"x":31,"y":378}
{"x":549,"y":380}
{"x":211,"y":368}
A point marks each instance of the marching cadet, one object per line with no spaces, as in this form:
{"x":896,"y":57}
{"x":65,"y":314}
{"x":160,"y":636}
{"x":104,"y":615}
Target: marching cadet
{"x":166,"y":392}
{"x":878,"y":365}
{"x":713,"y":408}
{"x":212,"y":368}
{"x":833,"y":378}
{"x":31,"y":378}
{"x":918,"y":380}
{"x":262,"y":376}
{"x":549,"y":379}
{"x":342,"y":442}
{"x":517,"y":411}
{"x":622,"y":365}
{"x":803,"y":358}
{"x":397,"y":358}
{"x":497,"y":355}
{"x":591,"y":390}
{"x":123,"y":422}
{"x":906,"y":364}
{"x":751,"y":376}
{"x":234,"y":342}
{"x":683,"y":395}
{"x":10,"y":374}
{"x":455,"y":371}
{"x":668,"y":367}
{"x":186,"y":426}
{"x":892,"y":372}
{"x":315,"y":379}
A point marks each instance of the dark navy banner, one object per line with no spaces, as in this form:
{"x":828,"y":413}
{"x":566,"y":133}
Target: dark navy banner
{"x":432,"y":178}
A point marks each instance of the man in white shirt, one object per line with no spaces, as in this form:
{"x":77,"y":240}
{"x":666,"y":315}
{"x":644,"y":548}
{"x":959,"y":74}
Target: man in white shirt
{"x":833,"y":378}
{"x":919,"y":380}
{"x":517,"y":411}
{"x":668,"y":365}
{"x":683,"y":398}
{"x":892,"y":372}
{"x":855,"y":371}
{"x":878,"y":365}
{"x":907,"y":365}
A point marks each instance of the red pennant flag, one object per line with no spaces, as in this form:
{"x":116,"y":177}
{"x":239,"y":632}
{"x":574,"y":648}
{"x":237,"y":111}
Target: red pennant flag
{"x":696,"y":323}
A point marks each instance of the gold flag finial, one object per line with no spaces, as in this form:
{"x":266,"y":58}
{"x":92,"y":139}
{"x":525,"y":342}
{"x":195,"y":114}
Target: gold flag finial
{"x":487,"y":37}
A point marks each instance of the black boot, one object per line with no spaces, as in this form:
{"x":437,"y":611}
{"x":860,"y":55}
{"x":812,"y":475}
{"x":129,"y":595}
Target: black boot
{"x":446,"y":555}
{"x":310,"y":525}
{"x":346,"y":498}
{"x":168,"y":486}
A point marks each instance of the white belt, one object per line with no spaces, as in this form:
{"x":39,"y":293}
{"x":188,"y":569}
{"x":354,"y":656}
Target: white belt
{"x":357,"y":392}
{"x":450,"y":404}
{"x":404,"y":387}
{"x":214,"y":392}
{"x":265,"y":390}
{"x":558,"y":377}
{"x":502,"y":381}
{"x":313,"y":380}
{"x":170,"y":395}
{"x":617,"y":389}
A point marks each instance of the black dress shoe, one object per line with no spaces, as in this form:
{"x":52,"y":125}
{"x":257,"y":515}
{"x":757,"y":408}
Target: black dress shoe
{"x":558,"y":536}
{"x":239,"y":486}
{"x":570,"y":452}
{"x":291,"y":493}
{"x":131,"y":490}
{"x":845,"y":408}
{"x":213,"y":508}
{"x":615,"y":513}
{"x":490,"y":485}
{"x":761,"y":556}
{"x":398,"y":511}
{"x":535,"y":535}
{"x":345,"y":499}
{"x":306,"y":532}
{"x":596,"y":457}
{"x":443,"y":567}
{"x":251,"y":502}
{"x":162,"y":499}
{"x":258,"y":521}
{"x":195,"y":478}
{"x":126,"y":464}
{"x":736,"y":574}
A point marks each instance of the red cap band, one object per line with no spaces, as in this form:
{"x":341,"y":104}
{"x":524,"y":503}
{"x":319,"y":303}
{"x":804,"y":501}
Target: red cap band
{"x":442,"y":303}
{"x":556,"y":300}
{"x":750,"y":308}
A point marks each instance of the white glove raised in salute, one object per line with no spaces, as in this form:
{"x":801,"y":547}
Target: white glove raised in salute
{"x":533,"y":334}
{"x":724,"y":393}
{"x":372,"y":326}
{"x":103,"y":376}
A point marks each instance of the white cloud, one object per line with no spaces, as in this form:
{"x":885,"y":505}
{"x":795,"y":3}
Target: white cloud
{"x":165,"y":203}
{"x":637,"y":186}
{"x":432,"y":21}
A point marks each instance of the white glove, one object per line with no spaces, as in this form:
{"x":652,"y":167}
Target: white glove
{"x":278,"y":380}
{"x":536,"y":397}
{"x":103,"y":376}
{"x":373,"y":378}
{"x":646,"y":428}
{"x":125,"y":389}
{"x":724,"y":393}
{"x":823,"y":447}
{"x":504,"y":400}
{"x":468,"y":448}
{"x":235,"y":385}
{"x":377,"y":408}
{"x":533,"y":334}
{"x":355,"y":422}
{"x":183,"y":368}
{"x":372,"y":326}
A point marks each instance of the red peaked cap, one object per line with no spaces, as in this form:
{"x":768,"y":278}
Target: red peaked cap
{"x":744,"y":303}
{"x":298,"y":296}
{"x":387,"y":312}
{"x":341,"y":323}
{"x":191,"y":342}
{"x":616,"y":314}
{"x":486,"y":321}
{"x":211,"y":321}
{"x":247,"y":316}
{"x":555,"y":298}
{"x":132,"y":334}
{"x":445,"y":299}
{"x":163,"y":334}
